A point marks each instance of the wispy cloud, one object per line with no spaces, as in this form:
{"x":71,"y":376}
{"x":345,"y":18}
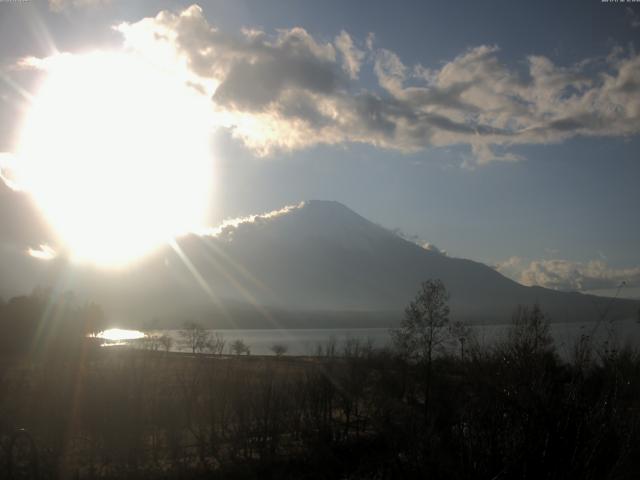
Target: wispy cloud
{"x":352,"y":55}
{"x":43,"y":252}
{"x":413,"y":238}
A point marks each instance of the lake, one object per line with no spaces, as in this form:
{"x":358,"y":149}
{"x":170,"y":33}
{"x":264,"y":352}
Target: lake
{"x":306,"y":341}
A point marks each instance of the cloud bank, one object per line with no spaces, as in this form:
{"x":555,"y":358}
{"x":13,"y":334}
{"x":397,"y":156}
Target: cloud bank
{"x":568,"y":275}
{"x":288,"y":90}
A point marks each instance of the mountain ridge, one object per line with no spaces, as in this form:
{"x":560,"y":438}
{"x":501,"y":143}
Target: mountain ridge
{"x":318,"y":256}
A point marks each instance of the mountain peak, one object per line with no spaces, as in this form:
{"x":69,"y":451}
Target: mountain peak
{"x":327,"y":218}
{"x":325,"y":204}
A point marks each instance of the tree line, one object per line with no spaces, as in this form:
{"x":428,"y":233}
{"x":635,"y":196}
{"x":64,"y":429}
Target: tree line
{"x":46,"y":322}
{"x":436,"y":404}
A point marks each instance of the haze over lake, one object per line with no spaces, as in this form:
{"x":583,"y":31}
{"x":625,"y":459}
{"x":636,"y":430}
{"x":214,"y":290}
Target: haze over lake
{"x":306,"y":341}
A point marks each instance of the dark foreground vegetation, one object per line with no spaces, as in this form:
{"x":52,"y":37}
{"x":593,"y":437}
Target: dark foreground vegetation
{"x":420,"y":410}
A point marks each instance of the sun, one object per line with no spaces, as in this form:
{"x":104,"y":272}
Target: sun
{"x":115,"y":152}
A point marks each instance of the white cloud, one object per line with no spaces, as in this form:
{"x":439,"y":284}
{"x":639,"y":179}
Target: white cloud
{"x":226,"y":229}
{"x":432,"y":248}
{"x":413,"y":238}
{"x":287,"y":90}
{"x":569,"y":275}
{"x":44,"y":252}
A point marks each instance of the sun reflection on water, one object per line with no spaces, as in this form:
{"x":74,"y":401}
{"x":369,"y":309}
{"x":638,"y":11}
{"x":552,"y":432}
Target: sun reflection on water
{"x":119,"y":335}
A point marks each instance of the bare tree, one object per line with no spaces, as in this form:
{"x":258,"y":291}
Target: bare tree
{"x":329,"y":349}
{"x":238,"y":347}
{"x":216,"y":344}
{"x":530,"y":332}
{"x":424,"y":326}
{"x":151,"y":342}
{"x":424,"y":329}
{"x":279,"y":349}
{"x":194,"y":337}
{"x":166,"y":341}
{"x":461,"y":333}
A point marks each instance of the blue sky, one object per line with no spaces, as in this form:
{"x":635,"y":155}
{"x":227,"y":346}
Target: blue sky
{"x":556,"y":207}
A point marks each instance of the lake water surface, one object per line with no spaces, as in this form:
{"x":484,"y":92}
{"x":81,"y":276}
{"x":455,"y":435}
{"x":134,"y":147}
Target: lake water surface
{"x":306,"y":341}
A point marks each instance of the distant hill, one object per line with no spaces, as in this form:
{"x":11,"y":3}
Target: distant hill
{"x":315,"y":265}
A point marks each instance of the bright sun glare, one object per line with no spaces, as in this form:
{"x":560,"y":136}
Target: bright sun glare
{"x":115,"y":152}
{"x":119,"y":334}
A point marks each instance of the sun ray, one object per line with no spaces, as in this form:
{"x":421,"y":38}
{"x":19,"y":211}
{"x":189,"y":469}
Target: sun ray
{"x":199,"y":278}
{"x":240,"y":268}
{"x":51,"y":312}
{"x":243,"y":291}
{"x":17,"y":87}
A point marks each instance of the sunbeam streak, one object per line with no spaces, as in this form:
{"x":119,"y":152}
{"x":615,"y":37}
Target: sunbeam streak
{"x":198,"y":277}
{"x":243,"y":291}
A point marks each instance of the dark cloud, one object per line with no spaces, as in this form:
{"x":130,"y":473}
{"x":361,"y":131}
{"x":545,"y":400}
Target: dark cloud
{"x":22,"y":224}
{"x":253,"y":86}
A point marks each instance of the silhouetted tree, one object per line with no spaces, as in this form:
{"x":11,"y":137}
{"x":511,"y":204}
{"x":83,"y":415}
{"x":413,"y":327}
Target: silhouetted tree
{"x":424,"y":329}
{"x":151,"y":342}
{"x":530,"y":333}
{"x":166,"y":341}
{"x":460,"y":332}
{"x":279,"y":349}
{"x":238,"y":347}
{"x":45,"y":322}
{"x":195,"y":337}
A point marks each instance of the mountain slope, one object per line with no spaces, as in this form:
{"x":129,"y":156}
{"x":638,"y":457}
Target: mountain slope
{"x":323,"y":256}
{"x":305,"y":264}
